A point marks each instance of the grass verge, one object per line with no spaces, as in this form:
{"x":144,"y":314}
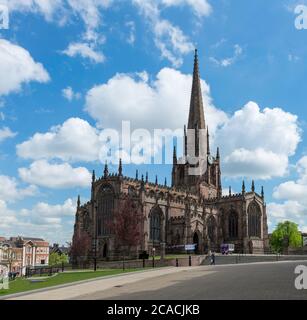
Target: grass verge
{"x":23,"y":284}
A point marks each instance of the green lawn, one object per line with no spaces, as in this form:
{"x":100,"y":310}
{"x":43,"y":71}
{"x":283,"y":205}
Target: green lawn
{"x":22,"y":284}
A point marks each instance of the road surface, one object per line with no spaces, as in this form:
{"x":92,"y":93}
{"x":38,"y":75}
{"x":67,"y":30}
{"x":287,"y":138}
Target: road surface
{"x":241,"y":282}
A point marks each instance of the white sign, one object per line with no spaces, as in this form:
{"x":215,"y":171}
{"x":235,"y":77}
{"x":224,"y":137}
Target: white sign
{"x":190,"y":247}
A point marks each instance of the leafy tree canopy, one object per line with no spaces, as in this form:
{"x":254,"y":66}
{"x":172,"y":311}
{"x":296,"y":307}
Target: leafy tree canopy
{"x":286,"y":234}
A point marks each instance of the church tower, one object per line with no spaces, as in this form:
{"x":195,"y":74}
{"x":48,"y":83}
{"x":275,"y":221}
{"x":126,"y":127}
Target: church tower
{"x":197,"y":171}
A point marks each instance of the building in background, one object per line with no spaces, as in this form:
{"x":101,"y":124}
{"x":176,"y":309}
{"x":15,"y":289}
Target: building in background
{"x":192,"y":211}
{"x":20,"y":253}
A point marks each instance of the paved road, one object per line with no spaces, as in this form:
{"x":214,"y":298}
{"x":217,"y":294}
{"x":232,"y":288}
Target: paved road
{"x":250,"y":281}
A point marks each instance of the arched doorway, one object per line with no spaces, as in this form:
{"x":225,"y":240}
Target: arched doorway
{"x":196,"y":242}
{"x":105,"y":251}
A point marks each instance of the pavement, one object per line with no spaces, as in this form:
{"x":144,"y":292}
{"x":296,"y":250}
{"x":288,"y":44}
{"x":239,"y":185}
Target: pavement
{"x":260,"y":281}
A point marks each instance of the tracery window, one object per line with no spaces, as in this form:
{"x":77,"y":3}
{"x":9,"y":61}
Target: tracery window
{"x":155,"y":224}
{"x":254,"y":220}
{"x":105,"y":209}
{"x":233,"y":225}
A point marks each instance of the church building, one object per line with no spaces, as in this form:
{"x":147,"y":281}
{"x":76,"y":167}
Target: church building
{"x":192,"y":211}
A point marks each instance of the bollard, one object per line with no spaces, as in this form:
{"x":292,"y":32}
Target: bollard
{"x":177,"y":264}
{"x":190,"y":261}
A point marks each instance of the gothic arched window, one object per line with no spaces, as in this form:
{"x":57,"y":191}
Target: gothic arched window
{"x":254,"y":220}
{"x":155,"y":224}
{"x":211,"y":228}
{"x":233,"y":225}
{"x":105,"y":209}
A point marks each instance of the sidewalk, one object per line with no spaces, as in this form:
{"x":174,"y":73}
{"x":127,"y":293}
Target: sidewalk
{"x":74,"y":290}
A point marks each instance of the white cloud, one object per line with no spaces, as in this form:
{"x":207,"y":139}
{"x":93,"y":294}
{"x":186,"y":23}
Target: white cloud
{"x":292,"y":197}
{"x":48,"y":8}
{"x":258,"y":163}
{"x":56,"y":176}
{"x":18,"y":67}
{"x":11,"y":191}
{"x":6,"y":133}
{"x":200,"y":7}
{"x":53,"y":222}
{"x":85,"y":50}
{"x":74,"y":140}
{"x":257,"y":143}
{"x":169,"y":39}
{"x":144,"y":102}
{"x":226,"y":62}
{"x":70,"y":95}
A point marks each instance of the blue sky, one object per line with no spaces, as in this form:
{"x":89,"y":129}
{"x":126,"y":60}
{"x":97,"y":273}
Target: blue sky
{"x":70,"y":68}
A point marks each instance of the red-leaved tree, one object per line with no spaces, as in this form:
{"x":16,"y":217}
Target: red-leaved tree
{"x":127,"y":225}
{"x":80,"y":247}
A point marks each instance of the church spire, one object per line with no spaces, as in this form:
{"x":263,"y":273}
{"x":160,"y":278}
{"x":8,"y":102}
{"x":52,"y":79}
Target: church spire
{"x":196,"y":115}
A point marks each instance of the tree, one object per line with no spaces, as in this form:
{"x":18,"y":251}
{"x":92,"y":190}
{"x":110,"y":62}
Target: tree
{"x":126,"y":226}
{"x":81,"y":247}
{"x":286,"y":234}
{"x":57,"y":259}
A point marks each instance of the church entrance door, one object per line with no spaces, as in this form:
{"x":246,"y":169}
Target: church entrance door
{"x":196,"y":242}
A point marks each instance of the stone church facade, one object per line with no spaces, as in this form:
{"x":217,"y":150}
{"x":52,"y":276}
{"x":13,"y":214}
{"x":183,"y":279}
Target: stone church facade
{"x":191,"y":211}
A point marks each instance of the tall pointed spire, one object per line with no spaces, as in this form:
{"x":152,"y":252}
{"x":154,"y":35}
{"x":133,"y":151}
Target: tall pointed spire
{"x":137,"y":174}
{"x":78,"y":201}
{"x":93,"y":177}
{"x":174,"y":156}
{"x":243,"y":187}
{"x":218,"y":153}
{"x":146,"y":177}
{"x":165,"y":182}
{"x":196,"y":115}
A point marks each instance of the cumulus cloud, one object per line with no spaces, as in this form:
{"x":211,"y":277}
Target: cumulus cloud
{"x":291,"y":197}
{"x":258,"y":143}
{"x":143,"y":102}
{"x":18,"y":67}
{"x":74,"y":140}
{"x":70,"y":95}
{"x":6,"y":133}
{"x":56,"y":176}
{"x":85,"y":50}
{"x":11,"y":190}
{"x":53,"y":222}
